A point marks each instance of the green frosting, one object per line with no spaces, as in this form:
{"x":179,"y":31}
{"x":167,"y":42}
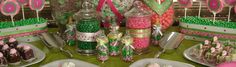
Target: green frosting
{"x":29,"y":21}
{"x":205,"y":21}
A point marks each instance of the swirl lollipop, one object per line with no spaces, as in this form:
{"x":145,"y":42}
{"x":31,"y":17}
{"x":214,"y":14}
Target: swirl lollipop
{"x":186,"y":4}
{"x":10,"y":8}
{"x":22,"y":3}
{"x":230,"y":3}
{"x":215,"y":6}
{"x":37,"y":5}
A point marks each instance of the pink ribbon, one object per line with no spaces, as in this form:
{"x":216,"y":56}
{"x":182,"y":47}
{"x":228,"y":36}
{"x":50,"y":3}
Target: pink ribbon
{"x":112,"y":7}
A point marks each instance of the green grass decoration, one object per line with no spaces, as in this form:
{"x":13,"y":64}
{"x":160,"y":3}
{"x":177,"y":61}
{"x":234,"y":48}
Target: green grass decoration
{"x":205,"y":21}
{"x":29,"y":21}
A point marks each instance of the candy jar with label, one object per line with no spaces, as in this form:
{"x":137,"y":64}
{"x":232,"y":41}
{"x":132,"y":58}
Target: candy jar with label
{"x":88,"y":28}
{"x":102,"y":48}
{"x":138,"y":22}
{"x":127,"y":50}
{"x":114,"y":40}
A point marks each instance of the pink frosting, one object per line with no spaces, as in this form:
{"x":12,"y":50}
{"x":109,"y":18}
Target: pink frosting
{"x":5,"y":47}
{"x":1,"y":55}
{"x":20,"y":46}
{"x":13,"y":51}
{"x":12,"y":40}
{"x":27,"y":47}
{"x":1,"y":42}
{"x":227,"y":64}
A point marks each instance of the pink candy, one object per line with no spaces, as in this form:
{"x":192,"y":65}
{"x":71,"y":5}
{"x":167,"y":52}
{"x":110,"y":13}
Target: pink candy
{"x":138,"y":22}
{"x":141,"y":43}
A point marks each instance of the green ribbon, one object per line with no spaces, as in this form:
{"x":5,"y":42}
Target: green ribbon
{"x":159,"y":8}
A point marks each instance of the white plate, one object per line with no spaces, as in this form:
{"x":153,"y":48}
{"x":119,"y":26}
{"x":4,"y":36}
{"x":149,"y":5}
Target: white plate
{"x":187,"y":54}
{"x":161,"y":62}
{"x":78,"y":63}
{"x":38,"y":54}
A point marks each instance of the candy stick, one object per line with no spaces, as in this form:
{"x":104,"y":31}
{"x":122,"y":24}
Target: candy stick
{"x":185,"y":12}
{"x":200,"y":7}
{"x":214,"y":17}
{"x":37,"y":15}
{"x":12,"y":20}
{"x":230,"y":7}
{"x":23,"y":11}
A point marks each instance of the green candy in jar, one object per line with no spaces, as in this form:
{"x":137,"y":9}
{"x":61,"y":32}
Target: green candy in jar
{"x":88,"y":28}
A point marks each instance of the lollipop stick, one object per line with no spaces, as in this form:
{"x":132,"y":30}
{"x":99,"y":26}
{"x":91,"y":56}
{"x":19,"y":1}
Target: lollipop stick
{"x":12,"y":20}
{"x":229,"y":13}
{"x":200,"y":7}
{"x":23,"y":11}
{"x":185,"y":12}
{"x":214,"y":17}
{"x":37,"y":15}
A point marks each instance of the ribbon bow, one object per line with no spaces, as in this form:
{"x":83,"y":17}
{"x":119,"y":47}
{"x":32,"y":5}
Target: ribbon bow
{"x":156,"y":30}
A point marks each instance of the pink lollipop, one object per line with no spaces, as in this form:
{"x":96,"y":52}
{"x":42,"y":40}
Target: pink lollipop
{"x":10,"y":8}
{"x":215,"y":6}
{"x":185,"y":3}
{"x":36,"y":5}
{"x":22,"y":3}
{"x":230,"y":3}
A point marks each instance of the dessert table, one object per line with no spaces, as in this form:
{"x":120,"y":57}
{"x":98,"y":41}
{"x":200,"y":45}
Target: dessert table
{"x":55,"y":54}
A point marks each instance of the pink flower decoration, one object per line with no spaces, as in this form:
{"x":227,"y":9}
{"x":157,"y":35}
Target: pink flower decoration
{"x":10,"y":8}
{"x":185,"y":3}
{"x":37,"y":4}
{"x":215,"y":5}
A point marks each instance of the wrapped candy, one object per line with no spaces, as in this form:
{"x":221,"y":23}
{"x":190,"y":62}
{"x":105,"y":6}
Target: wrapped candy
{"x":112,"y":8}
{"x":114,"y":40}
{"x":127,"y":50}
{"x":88,"y":28}
{"x":138,"y":22}
{"x":102,"y":48}
{"x":70,"y":33}
{"x":156,"y":34}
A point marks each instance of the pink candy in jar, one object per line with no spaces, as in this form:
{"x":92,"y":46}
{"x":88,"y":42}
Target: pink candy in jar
{"x":138,"y":23}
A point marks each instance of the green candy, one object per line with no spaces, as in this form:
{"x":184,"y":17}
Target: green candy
{"x":204,"y":21}
{"x":29,"y":21}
